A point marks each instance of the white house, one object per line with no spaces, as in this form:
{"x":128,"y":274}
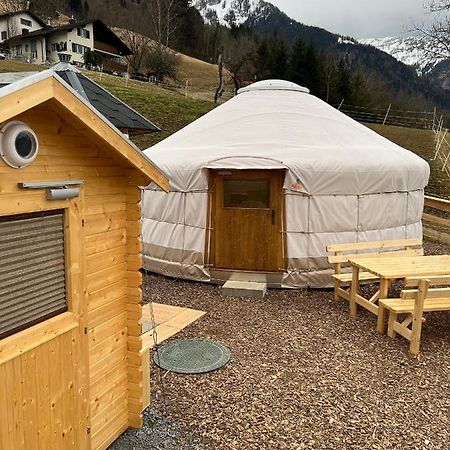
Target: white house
{"x":42,"y":43}
{"x":20,"y":22}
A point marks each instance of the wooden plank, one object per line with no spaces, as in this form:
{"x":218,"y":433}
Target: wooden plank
{"x":102,"y":402}
{"x":104,"y":330}
{"x":105,"y":241}
{"x":393,"y":254}
{"x":444,"y":238}
{"x":146,"y":393}
{"x":101,"y":278}
{"x":106,"y":312}
{"x":29,"y":398}
{"x":437,"y":203}
{"x":116,"y":360}
{"x":35,"y":336}
{"x":436,"y":220}
{"x":5,"y":434}
{"x":101,"y":223}
{"x":109,"y":345}
{"x":56,"y":392}
{"x":43,"y":397}
{"x":108,"y":258}
{"x":107,"y":294}
{"x":68,"y":394}
{"x":374,"y":245}
{"x":26,"y":98}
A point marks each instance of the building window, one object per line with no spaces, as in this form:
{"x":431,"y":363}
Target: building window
{"x":26,"y":22}
{"x":32,"y":270}
{"x":19,"y":50}
{"x":81,"y":49}
{"x":59,"y":46}
{"x":246,"y":194}
{"x":4,"y":35}
{"x":82,"y":32}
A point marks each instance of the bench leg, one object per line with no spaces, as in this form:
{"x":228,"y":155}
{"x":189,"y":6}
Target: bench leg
{"x":354,"y":289}
{"x":391,"y":321}
{"x":337,"y":285}
{"x":380,"y":318}
{"x":384,"y":289}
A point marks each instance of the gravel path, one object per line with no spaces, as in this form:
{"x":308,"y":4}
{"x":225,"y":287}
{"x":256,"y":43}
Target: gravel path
{"x":303,"y":375}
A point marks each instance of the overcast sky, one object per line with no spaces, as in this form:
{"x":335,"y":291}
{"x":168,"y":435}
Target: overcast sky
{"x":357,"y":18}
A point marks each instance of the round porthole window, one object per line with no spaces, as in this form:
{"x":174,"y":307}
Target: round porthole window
{"x":19,"y":144}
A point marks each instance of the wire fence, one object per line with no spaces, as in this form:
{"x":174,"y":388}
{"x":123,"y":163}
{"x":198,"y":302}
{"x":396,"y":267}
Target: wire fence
{"x":390,"y":116}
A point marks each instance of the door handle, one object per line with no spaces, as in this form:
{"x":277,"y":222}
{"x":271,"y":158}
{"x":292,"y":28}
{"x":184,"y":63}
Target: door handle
{"x":273,"y":216}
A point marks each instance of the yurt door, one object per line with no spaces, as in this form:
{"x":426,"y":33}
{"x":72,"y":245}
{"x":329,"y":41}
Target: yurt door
{"x":246,"y":216}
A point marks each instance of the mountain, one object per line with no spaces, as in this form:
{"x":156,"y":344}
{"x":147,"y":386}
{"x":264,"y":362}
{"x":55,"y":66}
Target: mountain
{"x":381,"y":63}
{"x":413,"y":50}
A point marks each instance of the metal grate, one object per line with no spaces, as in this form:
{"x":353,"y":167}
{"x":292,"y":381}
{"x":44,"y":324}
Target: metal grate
{"x":32,"y":270}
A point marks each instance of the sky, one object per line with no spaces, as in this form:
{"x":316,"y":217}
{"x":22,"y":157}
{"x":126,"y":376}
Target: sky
{"x":358,"y":18}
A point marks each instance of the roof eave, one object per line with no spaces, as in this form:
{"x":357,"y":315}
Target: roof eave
{"x":30,"y":92}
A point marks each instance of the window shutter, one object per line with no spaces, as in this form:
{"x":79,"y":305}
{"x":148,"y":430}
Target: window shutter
{"x":32,"y":270}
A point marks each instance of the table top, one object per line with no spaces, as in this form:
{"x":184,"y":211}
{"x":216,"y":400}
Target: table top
{"x":391,"y":266}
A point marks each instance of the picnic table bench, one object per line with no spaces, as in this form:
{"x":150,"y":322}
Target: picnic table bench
{"x":413,"y":303}
{"x":343,"y":252}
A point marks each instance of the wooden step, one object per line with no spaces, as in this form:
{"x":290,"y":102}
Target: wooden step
{"x":401,"y":306}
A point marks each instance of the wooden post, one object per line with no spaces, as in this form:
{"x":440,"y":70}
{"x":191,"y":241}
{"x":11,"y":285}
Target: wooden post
{"x":387,"y":114}
{"x":354,"y":289}
{"x":417,"y":316}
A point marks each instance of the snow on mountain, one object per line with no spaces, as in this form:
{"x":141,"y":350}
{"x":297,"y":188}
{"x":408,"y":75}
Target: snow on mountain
{"x":231,"y":12}
{"x":412,"y":50}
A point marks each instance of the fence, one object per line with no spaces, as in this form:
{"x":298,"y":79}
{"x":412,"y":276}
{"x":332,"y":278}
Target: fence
{"x":442,"y":153}
{"x":436,"y":219}
{"x":390,"y":116}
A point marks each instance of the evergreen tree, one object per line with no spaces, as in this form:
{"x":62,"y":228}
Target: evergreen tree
{"x":343,"y":84}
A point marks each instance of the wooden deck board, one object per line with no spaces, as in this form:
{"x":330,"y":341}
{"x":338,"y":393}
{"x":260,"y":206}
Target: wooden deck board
{"x":169,"y":320}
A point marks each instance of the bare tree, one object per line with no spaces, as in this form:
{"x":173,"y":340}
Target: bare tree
{"x":438,"y":34}
{"x":164,"y":20}
{"x":240,"y":59}
{"x":139,"y":46}
{"x":220,"y":89}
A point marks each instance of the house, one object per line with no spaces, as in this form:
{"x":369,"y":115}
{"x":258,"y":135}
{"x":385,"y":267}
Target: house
{"x":263,"y":183}
{"x":73,"y":372}
{"x":18,"y":23}
{"x":45,"y":44}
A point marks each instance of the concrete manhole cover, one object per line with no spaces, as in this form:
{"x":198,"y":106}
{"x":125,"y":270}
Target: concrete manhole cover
{"x":192,"y":356}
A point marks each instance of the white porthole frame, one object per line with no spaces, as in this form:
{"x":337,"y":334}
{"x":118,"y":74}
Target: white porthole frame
{"x":8,"y":150}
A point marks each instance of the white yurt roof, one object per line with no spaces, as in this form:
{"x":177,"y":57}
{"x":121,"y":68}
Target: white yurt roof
{"x":278,"y":124}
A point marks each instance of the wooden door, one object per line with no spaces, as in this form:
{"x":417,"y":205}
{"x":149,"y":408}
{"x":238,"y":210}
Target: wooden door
{"x":247,"y":217}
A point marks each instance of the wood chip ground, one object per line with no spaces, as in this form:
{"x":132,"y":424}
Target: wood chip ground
{"x":303,"y":375}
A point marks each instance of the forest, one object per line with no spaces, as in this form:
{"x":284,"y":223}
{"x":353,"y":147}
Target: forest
{"x":334,"y":68}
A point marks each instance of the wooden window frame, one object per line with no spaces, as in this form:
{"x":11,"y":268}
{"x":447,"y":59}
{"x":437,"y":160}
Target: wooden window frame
{"x":36,"y":335}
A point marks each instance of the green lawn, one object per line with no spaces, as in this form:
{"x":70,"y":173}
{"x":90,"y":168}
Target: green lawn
{"x":422,"y":143}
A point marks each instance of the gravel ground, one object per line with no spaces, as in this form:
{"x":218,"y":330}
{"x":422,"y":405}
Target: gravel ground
{"x":303,"y":375}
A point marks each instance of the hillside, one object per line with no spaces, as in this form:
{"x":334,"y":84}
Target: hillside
{"x":171,"y":111}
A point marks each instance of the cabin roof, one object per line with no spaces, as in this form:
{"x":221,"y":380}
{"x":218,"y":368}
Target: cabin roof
{"x":31,"y":91}
{"x":115,"y":110}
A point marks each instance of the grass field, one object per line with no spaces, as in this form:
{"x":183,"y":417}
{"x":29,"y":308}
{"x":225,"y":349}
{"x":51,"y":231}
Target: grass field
{"x":168,"y":107}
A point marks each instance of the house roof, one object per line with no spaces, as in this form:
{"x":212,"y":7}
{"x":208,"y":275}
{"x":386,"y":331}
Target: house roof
{"x":98,"y":24}
{"x":24,"y":11}
{"x":117,"y":112}
{"x":31,"y":91}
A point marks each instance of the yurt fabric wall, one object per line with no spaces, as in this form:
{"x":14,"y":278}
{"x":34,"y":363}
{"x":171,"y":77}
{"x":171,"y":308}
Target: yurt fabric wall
{"x":343,"y":182}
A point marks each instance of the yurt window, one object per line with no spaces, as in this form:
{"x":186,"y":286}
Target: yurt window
{"x":32,"y":270}
{"x":246,"y":194}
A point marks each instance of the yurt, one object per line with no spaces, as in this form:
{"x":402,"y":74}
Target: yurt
{"x":263,"y":183}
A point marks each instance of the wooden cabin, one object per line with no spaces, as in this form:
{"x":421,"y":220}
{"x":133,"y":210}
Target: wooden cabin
{"x":73,"y":374}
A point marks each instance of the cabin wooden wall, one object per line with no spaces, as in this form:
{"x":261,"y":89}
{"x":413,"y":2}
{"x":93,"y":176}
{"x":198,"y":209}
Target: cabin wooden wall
{"x":109,"y":242}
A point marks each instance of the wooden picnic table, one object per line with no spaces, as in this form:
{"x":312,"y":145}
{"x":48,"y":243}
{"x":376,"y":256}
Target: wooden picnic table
{"x":390,"y":268}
